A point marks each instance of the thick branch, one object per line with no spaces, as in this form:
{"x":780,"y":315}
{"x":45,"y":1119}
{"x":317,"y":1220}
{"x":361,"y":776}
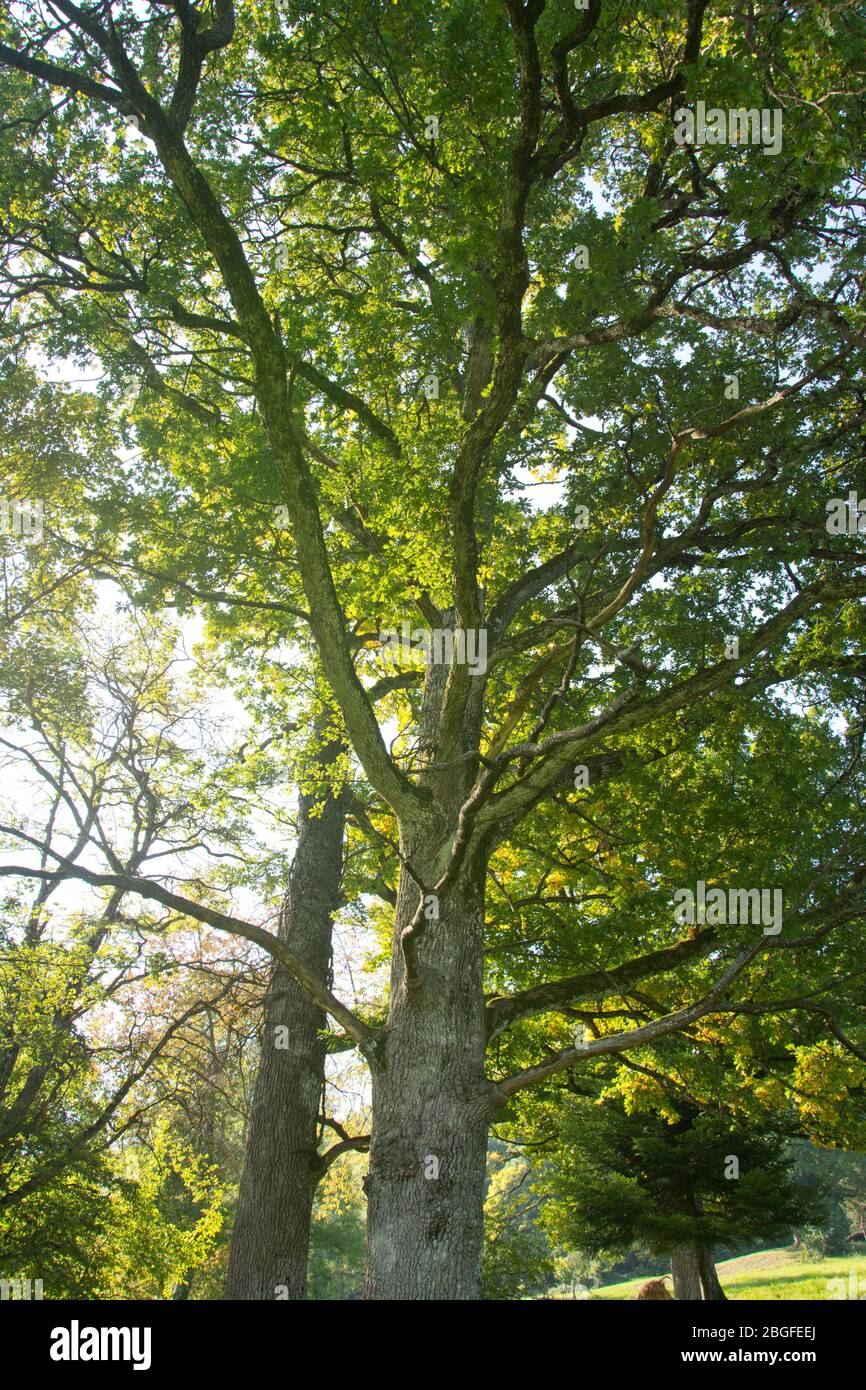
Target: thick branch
{"x":365,"y":1037}
{"x":633,"y":1037}
{"x":595,"y":984}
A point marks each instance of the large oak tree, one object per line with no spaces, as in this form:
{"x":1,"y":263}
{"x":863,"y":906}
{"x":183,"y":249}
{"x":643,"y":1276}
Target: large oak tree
{"x":381,"y":272}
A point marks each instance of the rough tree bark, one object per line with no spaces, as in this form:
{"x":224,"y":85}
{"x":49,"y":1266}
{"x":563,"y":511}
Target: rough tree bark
{"x":713,"y":1291}
{"x":686,"y":1272}
{"x":270,"y":1239}
{"x":431,"y":1105}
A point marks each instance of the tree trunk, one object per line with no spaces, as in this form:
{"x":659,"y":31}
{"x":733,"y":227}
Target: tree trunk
{"x":431,"y":1103}
{"x":270,"y":1239}
{"x":686,"y":1272}
{"x":713,"y":1291}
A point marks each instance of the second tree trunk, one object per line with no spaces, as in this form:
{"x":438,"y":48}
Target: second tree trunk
{"x":270,"y":1239}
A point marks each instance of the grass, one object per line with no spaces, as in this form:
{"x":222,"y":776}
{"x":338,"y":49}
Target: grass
{"x":773,"y":1274}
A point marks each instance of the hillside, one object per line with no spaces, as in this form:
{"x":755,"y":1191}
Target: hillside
{"x":774,"y":1274}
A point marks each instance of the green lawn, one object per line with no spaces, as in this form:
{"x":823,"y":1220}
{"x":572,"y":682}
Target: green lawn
{"x":774,"y":1274}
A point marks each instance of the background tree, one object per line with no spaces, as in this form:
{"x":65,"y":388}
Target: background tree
{"x":518,"y":1260}
{"x":640,"y":1178}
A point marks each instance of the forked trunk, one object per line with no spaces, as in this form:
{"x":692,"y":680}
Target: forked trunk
{"x":686,"y":1272}
{"x":713,"y":1291}
{"x":270,"y":1239}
